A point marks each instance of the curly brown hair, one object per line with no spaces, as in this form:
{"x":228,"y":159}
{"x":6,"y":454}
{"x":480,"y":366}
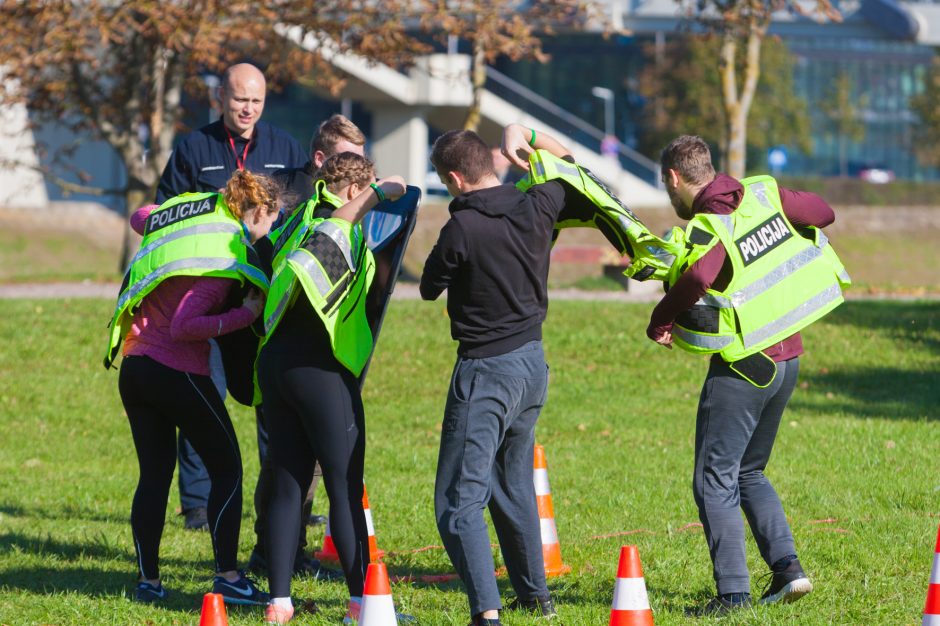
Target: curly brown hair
{"x":245,"y":191}
{"x":344,"y":169}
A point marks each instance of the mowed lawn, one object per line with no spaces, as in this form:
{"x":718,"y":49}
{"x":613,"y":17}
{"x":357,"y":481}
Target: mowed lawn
{"x":857,"y":464}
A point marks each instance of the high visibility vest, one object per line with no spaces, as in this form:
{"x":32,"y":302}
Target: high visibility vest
{"x":289,"y":236}
{"x":192,"y":234}
{"x":651,"y":256}
{"x":334,"y":268}
{"x":782,"y":281}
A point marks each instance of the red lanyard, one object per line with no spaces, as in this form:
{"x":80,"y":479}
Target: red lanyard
{"x":239,"y":162}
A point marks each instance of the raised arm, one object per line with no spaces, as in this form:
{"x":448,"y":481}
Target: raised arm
{"x":353,"y":211}
{"x":520,"y":141}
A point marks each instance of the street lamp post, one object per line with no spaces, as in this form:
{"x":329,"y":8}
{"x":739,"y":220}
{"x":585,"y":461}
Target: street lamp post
{"x":607,"y":96}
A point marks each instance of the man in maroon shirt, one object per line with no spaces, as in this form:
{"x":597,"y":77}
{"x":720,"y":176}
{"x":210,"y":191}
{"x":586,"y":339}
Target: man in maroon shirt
{"x":737,"y":421}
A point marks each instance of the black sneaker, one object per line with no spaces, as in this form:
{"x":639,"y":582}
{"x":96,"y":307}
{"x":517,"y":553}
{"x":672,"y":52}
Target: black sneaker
{"x":719,"y":606}
{"x":317,"y":520}
{"x":196,"y":519}
{"x":308,"y":566}
{"x":536,"y":606}
{"x":788,"y":585}
{"x":146,"y":592}
{"x":242,"y":591}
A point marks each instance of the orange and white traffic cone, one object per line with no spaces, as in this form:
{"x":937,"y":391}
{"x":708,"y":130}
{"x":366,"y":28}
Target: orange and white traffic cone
{"x":374,"y":553}
{"x":631,"y":606}
{"x":932,"y":607}
{"x":378,"y":608}
{"x":551,"y":550}
{"x":213,"y":611}
{"x":329,"y":553}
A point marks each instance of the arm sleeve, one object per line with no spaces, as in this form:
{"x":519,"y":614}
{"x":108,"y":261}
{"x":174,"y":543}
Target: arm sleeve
{"x":686,"y":292}
{"x":803,"y":208}
{"x":177,"y":176}
{"x":192,"y":320}
{"x":444,"y":262}
{"x":139,"y":219}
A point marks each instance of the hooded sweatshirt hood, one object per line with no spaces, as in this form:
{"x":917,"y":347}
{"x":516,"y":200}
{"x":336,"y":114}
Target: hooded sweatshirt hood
{"x":721,"y":196}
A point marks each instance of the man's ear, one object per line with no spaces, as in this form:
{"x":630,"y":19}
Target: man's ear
{"x":318,"y":158}
{"x":457,"y":179}
{"x":672,"y":178}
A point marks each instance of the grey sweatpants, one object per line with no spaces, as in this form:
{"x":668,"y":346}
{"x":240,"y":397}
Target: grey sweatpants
{"x":487,"y":441}
{"x":734,"y":435}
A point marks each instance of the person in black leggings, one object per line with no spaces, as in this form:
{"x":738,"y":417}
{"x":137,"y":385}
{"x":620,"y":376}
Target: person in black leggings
{"x":164,"y":384}
{"x":314,"y":412}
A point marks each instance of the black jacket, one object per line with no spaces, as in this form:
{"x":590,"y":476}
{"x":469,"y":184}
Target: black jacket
{"x":204,"y":160}
{"x":492,"y":257}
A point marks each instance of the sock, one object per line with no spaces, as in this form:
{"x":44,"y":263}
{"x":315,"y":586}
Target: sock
{"x":782,"y":563}
{"x":283,"y":602}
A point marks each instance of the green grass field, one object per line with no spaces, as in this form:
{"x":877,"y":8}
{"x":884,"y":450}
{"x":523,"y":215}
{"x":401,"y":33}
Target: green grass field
{"x":856,"y":465}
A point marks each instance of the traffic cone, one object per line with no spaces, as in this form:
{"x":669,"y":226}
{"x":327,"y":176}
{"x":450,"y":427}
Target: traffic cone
{"x":631,"y":605}
{"x":213,"y":610}
{"x":378,"y":609}
{"x":329,"y":553}
{"x":551,"y":550}
{"x":374,"y":553}
{"x":932,"y":607}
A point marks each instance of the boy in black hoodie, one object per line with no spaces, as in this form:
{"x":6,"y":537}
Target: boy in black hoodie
{"x":492,"y":256}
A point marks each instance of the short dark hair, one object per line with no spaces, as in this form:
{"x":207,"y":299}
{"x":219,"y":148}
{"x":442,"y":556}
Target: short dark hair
{"x":465,"y":152}
{"x":334,"y":130}
{"x":689,"y":155}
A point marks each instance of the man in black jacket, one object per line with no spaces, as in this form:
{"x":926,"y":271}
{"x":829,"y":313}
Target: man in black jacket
{"x":492,"y":256}
{"x":203,"y":161}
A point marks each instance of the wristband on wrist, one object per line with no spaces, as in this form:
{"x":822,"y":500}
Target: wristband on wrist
{"x":378,"y":192}
{"x":532,"y":138}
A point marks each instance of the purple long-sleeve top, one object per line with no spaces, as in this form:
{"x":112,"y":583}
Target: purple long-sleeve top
{"x":174,"y":321}
{"x":721,"y":197}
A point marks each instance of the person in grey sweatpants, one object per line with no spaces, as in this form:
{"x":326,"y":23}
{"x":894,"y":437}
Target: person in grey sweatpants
{"x":492,"y":256}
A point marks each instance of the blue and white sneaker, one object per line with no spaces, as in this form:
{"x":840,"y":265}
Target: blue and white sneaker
{"x":242,"y":591}
{"x":146,"y":592}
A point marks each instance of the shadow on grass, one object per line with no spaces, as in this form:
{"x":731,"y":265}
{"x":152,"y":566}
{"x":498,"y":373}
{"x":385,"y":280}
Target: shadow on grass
{"x":68,"y":512}
{"x":899,"y":321}
{"x":880,"y":392}
{"x":98,"y":547}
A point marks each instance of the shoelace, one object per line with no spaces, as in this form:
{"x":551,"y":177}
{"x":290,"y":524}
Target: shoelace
{"x":765,"y":581}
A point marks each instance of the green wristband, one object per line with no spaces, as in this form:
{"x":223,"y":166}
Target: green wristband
{"x":378,"y":192}
{"x":532,"y":139}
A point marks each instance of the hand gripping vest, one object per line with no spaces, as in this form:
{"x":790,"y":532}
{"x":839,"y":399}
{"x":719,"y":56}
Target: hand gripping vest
{"x":782,"y":280}
{"x":192,"y":234}
{"x":651,"y":256}
{"x":335,"y":268}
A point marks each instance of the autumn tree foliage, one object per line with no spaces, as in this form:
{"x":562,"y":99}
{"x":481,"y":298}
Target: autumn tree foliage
{"x":117,"y":71}
{"x":741,"y":26}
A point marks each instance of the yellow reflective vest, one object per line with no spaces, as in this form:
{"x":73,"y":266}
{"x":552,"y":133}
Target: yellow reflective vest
{"x":651,"y":256}
{"x":193,"y":234}
{"x":334,"y":268}
{"x":782,"y":281}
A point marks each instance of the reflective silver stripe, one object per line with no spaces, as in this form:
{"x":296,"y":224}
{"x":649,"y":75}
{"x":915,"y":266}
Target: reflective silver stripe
{"x":539,"y":170}
{"x":570,"y":170}
{"x":760,"y":192}
{"x":715,"y":301}
{"x":312,"y":268}
{"x":823,"y":240}
{"x":281,"y":305}
{"x":198,"y":263}
{"x":728,"y":223}
{"x":336,"y":233}
{"x":799,"y":260}
{"x":844,"y":277}
{"x":823,"y":298}
{"x":706,"y":342}
{"x":199,"y":229}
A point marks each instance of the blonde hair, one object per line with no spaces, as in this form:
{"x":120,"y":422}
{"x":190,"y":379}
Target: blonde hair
{"x":344,"y":169}
{"x":245,"y":191}
{"x":332,"y":131}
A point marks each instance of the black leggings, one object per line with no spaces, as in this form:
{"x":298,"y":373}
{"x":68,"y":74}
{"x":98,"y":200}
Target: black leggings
{"x":158,"y":400}
{"x":314,"y":412}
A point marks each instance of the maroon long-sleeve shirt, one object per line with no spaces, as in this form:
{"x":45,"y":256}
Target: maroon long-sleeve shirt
{"x":721,"y":197}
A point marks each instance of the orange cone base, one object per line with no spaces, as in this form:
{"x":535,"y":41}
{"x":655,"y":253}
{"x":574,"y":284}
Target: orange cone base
{"x":631,"y":618}
{"x":213,"y":611}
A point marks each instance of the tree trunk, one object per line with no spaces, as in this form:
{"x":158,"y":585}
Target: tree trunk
{"x":478,"y":83}
{"x":737,"y":102}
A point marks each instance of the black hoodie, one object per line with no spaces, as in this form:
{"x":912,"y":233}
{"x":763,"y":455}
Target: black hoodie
{"x":492,"y":257}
